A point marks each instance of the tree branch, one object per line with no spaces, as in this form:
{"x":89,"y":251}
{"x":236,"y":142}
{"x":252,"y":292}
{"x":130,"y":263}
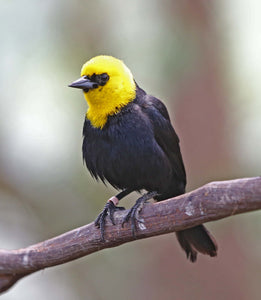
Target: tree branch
{"x":211,"y":202}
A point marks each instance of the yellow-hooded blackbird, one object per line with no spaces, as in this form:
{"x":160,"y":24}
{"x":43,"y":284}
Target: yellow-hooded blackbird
{"x":128,"y":141}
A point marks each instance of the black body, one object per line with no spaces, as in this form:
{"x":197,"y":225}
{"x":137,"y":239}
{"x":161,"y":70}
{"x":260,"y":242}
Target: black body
{"x":139,"y":149}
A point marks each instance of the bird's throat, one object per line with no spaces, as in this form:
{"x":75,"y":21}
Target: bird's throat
{"x":98,"y":118}
{"x":101,"y":106}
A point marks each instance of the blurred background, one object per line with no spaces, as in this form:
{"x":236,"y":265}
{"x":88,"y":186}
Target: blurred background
{"x":203,"y":59}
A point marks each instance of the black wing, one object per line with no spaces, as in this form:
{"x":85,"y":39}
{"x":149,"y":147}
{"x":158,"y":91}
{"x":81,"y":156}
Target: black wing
{"x":166,"y":136}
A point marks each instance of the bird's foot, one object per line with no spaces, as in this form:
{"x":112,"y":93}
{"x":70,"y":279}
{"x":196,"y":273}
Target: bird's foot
{"x":109,"y":209}
{"x":133,"y":214}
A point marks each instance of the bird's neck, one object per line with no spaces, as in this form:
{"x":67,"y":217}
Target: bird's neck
{"x":107,"y":103}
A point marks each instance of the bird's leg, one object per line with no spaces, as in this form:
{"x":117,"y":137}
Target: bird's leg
{"x":109,"y":209}
{"x":133,"y":214}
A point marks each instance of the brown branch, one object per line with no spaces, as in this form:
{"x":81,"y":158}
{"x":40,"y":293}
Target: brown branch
{"x":211,"y":202}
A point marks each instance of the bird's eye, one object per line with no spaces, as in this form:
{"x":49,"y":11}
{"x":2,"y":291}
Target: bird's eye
{"x":104,"y":77}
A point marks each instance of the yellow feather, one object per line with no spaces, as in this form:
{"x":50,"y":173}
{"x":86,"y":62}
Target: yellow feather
{"x":116,"y":93}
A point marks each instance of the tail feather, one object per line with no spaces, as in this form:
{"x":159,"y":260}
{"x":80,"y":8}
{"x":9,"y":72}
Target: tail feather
{"x":197,"y":239}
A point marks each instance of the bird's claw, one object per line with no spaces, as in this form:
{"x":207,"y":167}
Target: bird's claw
{"x":134,"y":212}
{"x":133,"y":216}
{"x":109,"y":209}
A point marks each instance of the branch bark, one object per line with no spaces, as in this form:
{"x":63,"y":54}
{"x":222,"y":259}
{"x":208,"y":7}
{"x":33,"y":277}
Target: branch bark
{"x":210,"y":202}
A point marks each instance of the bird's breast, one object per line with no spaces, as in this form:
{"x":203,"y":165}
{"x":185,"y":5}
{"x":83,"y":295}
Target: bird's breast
{"x":126,"y":154}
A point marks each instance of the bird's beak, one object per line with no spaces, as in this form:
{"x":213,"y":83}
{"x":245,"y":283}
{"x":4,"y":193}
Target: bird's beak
{"x":84,"y":83}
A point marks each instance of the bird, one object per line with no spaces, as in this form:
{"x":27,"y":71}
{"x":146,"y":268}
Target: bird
{"x":130,"y":143}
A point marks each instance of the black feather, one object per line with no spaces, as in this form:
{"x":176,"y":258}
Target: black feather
{"x":139,"y":149}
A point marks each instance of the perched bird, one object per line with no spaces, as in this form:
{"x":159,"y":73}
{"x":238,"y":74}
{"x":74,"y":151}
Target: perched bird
{"x":128,"y":141}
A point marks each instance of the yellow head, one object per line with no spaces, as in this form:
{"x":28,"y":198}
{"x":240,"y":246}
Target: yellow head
{"x":108,"y":85}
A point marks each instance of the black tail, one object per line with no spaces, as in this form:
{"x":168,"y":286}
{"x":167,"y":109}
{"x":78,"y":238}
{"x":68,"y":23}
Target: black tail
{"x":197,"y":239}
